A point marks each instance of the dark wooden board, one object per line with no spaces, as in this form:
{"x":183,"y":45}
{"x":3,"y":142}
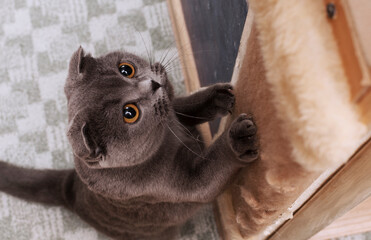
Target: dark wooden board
{"x":215,"y":29}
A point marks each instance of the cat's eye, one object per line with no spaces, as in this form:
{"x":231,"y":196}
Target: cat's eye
{"x":131,"y":113}
{"x":127,"y":69}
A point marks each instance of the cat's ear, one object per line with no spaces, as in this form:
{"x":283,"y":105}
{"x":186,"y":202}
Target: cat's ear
{"x":76,"y":63}
{"x":80,"y":63}
{"x":84,"y":146}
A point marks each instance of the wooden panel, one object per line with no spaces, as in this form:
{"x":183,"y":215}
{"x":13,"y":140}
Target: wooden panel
{"x":360,"y":18}
{"x":364,"y":108}
{"x":349,"y":50}
{"x":189,"y":68}
{"x":345,"y":190}
{"x":357,"y":220}
{"x":360,"y":14}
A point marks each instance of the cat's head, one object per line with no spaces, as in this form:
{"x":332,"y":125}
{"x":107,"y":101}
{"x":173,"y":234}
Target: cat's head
{"x":118,"y":106}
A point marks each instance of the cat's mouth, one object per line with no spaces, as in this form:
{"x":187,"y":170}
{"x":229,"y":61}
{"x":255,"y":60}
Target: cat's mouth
{"x":93,"y":163}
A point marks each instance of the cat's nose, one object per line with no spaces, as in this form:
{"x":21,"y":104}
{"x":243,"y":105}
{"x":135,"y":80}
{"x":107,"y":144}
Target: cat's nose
{"x":155,"y":85}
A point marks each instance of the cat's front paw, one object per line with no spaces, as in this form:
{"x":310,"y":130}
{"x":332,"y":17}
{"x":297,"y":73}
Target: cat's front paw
{"x":222,"y":98}
{"x":243,"y":138}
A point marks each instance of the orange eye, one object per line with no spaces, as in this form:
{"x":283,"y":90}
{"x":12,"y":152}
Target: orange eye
{"x":127,"y":69}
{"x":131,"y":113}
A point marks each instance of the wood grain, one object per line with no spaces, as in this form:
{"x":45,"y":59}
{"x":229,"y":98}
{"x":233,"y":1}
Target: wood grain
{"x":346,"y":189}
{"x":357,"y":220}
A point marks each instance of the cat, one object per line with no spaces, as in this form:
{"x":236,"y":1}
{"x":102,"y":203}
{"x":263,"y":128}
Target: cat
{"x":140,"y":169}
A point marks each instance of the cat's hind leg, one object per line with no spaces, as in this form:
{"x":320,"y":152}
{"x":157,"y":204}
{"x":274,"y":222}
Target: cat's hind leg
{"x":52,"y":187}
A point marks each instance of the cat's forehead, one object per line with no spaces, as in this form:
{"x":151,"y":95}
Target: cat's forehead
{"x":116,"y":58}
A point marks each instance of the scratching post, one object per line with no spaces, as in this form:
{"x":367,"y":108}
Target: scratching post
{"x":290,"y":76}
{"x":304,"y":76}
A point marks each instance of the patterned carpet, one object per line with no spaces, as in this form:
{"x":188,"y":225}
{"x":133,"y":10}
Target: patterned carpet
{"x":37,"y":38}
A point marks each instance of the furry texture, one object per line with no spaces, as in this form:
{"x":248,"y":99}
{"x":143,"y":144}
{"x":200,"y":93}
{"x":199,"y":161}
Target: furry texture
{"x":307,"y":80}
{"x":137,"y":180}
{"x":308,"y":83}
{"x":268,"y":187}
{"x":293,"y":82}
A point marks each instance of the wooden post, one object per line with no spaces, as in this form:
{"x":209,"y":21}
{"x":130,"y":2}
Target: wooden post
{"x":345,"y":190}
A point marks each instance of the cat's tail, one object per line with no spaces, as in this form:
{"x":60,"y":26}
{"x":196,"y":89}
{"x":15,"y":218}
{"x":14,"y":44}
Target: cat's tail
{"x":52,"y":187}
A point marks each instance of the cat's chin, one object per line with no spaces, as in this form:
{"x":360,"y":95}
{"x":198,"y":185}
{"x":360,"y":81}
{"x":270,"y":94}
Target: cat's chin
{"x":94,"y":165}
{"x":106,"y":164}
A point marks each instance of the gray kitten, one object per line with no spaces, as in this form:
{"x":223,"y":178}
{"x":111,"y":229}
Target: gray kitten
{"x":139,"y":170}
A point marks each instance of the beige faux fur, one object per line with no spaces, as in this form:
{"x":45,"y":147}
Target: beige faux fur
{"x":291,"y":79}
{"x":267,"y":187}
{"x":308,"y":83}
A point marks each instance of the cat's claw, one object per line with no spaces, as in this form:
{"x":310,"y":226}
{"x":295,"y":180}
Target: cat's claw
{"x":243,"y":138}
{"x":222,"y":98}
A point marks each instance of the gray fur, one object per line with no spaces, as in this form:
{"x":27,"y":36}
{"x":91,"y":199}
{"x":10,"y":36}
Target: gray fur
{"x":140,"y":180}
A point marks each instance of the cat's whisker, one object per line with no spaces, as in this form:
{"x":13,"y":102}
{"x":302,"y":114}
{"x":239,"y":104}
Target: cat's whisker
{"x":183,"y":142}
{"x":176,"y":54}
{"x":172,"y":64}
{"x":170,"y":68}
{"x":174,"y":57}
{"x":182,"y":50}
{"x":188,"y":132}
{"x":171,"y":59}
{"x":144,"y":43}
{"x":152,"y":56}
{"x":186,"y":115}
{"x":165,"y":56}
{"x":177,"y":50}
{"x":198,"y":141}
{"x":167,"y":52}
{"x":174,"y":68}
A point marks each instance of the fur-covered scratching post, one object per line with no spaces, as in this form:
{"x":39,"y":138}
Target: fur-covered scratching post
{"x":292,"y":81}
